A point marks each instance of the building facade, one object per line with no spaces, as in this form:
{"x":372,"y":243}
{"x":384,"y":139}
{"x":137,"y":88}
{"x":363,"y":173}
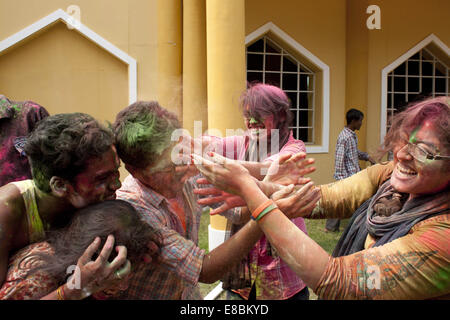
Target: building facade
{"x":196,"y":56}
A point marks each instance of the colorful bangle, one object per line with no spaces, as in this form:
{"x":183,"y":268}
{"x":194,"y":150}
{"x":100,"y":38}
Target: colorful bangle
{"x":266,"y":211}
{"x":60,"y":293}
{"x":261,"y":208}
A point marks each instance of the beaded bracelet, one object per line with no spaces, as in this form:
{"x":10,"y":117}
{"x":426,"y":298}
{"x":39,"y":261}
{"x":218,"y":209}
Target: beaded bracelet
{"x":261,"y":208}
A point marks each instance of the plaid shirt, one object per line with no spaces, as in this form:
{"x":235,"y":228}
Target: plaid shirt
{"x":271,"y":276}
{"x":180,"y":262}
{"x":347,"y":155}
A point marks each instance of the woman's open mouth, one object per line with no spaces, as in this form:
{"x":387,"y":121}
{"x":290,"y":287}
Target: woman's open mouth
{"x":405,"y":172}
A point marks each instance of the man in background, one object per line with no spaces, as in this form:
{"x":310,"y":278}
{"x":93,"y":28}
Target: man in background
{"x":347,"y":155}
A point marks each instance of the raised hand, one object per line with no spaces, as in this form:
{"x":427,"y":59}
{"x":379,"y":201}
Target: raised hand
{"x":215,"y":196}
{"x":296,"y":201}
{"x":225,"y":174}
{"x":93,"y":276}
{"x":290,"y":169}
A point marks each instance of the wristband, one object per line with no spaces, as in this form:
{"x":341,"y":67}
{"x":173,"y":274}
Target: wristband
{"x":261,"y":208}
{"x":266,"y":211}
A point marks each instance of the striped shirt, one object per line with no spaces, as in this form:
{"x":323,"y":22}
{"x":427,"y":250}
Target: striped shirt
{"x":347,"y":155}
{"x":176,"y":274}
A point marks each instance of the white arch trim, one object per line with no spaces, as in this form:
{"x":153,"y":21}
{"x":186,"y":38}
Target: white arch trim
{"x":271,"y":27}
{"x":384,"y":74}
{"x":61,"y":15}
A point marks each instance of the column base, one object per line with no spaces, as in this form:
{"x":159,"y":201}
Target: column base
{"x":215,"y":237}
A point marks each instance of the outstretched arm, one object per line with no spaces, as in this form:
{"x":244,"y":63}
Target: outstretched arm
{"x":305,"y":257}
{"x":222,"y":258}
{"x":11,"y":238}
{"x":287,"y":169}
{"x":301,"y":253}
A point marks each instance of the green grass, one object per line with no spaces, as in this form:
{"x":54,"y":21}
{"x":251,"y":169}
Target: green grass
{"x":327,"y":240}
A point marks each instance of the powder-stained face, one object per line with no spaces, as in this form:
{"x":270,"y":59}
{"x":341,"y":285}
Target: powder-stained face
{"x":98,"y":182}
{"x":260,"y":128}
{"x":163,"y":174}
{"x":421,"y":177}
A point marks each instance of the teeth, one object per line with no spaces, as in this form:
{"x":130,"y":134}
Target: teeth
{"x":406,"y":171}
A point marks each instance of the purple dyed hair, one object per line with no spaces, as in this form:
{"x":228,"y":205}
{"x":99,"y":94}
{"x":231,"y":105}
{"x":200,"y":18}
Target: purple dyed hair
{"x":260,"y":101}
{"x":433,"y":110}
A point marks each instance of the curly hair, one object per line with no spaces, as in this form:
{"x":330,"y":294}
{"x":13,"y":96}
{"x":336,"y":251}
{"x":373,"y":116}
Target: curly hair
{"x":116,"y":217}
{"x":61,"y":145}
{"x":262,"y":100}
{"x":434,"y":110}
{"x":143,"y":131}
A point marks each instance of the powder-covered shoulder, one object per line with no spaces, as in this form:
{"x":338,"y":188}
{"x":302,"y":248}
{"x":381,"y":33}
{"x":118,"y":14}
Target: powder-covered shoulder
{"x":441,"y":221}
{"x":434,"y":233}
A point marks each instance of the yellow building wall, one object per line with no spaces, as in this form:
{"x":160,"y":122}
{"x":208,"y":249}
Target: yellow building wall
{"x":357,"y":38}
{"x":404,"y":23}
{"x":61,"y":70}
{"x":130,"y":25}
{"x":336,"y":32}
{"x":65,"y":72}
{"x":320,"y":27}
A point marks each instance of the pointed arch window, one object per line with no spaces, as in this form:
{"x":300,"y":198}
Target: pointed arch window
{"x":268,"y":62}
{"x":422,"y":75}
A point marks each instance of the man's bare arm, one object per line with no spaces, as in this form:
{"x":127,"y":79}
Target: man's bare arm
{"x":10,"y":220}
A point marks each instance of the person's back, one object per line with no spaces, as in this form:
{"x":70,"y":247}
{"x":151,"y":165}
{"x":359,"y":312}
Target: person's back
{"x":41,"y":267}
{"x":17,"y":120}
{"x":347,"y":155}
{"x":180,"y":256}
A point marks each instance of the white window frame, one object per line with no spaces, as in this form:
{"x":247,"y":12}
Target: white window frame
{"x":384,"y":75}
{"x":284,"y":53}
{"x":270,"y":27}
{"x":61,"y":15}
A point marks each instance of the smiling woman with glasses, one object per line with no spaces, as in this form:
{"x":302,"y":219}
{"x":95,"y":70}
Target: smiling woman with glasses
{"x":396,"y":245}
{"x":422,"y":155}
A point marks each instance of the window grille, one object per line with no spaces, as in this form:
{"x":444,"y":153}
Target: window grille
{"x":422,"y":75}
{"x":268,"y":62}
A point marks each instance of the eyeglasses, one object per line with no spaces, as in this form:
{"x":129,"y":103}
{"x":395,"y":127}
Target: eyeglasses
{"x":421,"y":155}
{"x":251,"y":120}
